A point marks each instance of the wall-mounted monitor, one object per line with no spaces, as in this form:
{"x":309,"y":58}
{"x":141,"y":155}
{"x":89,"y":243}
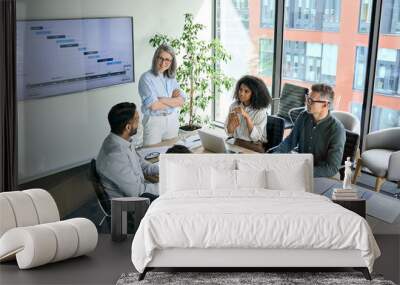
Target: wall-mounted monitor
{"x":57,"y":57}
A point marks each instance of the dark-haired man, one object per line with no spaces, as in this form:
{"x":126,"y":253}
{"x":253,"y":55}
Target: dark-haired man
{"x":120,"y":167}
{"x":317,"y":132}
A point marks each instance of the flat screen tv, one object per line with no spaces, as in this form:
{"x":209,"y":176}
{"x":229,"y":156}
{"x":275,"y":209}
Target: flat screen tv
{"x":57,"y":57}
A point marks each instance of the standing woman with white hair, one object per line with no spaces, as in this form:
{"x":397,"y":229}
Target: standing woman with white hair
{"x":161,"y":97}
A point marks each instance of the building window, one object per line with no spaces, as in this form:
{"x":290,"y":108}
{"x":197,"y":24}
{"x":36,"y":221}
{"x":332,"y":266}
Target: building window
{"x":267,"y":13}
{"x":382,"y":118}
{"x":329,"y":63}
{"x":365,"y":16}
{"x":330,"y":15}
{"x":266,"y":57}
{"x":318,"y":15}
{"x":242,"y":8}
{"x":311,"y":62}
{"x":387,"y":70}
{"x":294,"y":52}
{"x":360,"y":68}
{"x":390,"y":17}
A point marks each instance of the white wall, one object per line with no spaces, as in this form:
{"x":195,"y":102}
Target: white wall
{"x":57,"y":133}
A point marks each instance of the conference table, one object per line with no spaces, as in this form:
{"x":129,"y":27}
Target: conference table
{"x":183,"y":135}
{"x":198,"y":150}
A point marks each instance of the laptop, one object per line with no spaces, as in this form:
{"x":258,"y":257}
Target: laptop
{"x":213,"y":142}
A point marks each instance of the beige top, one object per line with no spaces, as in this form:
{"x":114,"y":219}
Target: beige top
{"x":259,"y":118}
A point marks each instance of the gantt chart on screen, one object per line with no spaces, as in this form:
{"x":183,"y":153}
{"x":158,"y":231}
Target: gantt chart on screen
{"x":65,"y":56}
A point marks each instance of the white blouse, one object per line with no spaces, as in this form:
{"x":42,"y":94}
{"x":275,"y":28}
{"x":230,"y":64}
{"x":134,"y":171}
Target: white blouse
{"x":259,"y":118}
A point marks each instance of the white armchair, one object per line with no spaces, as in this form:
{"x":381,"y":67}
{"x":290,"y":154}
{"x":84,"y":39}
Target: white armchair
{"x":31,"y":231}
{"x":381,"y":156}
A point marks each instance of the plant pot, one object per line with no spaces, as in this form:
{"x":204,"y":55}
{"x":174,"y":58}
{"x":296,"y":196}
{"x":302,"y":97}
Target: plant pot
{"x":187,"y":128}
{"x":187,"y":131}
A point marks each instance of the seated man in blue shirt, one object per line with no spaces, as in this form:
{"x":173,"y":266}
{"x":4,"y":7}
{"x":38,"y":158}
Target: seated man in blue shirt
{"x":120,"y":167}
{"x":317,"y":132}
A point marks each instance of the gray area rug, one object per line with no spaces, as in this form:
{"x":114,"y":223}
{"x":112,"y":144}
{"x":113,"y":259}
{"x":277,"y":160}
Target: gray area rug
{"x":228,"y":278}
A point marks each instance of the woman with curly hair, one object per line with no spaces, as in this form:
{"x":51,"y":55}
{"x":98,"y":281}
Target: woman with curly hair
{"x":247,"y":117}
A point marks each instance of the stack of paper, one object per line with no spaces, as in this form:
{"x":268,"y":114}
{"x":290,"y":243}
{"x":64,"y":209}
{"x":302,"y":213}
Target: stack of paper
{"x":190,"y":142}
{"x":344,"y":194}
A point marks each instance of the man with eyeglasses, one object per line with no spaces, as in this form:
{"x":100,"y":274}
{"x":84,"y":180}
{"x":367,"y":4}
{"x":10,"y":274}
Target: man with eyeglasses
{"x":161,"y":97}
{"x":317,"y":132}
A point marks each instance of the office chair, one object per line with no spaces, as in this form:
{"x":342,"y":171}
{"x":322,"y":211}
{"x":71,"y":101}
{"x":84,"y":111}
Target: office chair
{"x":102,"y":197}
{"x":291,"y":103}
{"x":350,"y":150}
{"x":275,"y":129}
{"x":349,"y":121}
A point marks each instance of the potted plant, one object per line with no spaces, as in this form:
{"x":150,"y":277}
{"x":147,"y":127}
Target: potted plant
{"x":198,"y":71}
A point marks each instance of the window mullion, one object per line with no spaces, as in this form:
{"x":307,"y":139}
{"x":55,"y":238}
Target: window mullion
{"x":370,"y":70}
{"x":278,"y":50}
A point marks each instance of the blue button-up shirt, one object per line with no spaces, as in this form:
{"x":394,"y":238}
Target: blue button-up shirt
{"x":121,"y":169}
{"x":153,"y":86}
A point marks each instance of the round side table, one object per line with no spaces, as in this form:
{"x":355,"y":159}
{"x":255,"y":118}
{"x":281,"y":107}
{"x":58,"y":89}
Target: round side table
{"x":119,"y":209}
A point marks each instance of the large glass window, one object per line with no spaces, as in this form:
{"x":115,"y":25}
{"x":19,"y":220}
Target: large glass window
{"x":324,"y":41}
{"x":386,"y":101}
{"x":245,"y":28}
{"x":320,"y":42}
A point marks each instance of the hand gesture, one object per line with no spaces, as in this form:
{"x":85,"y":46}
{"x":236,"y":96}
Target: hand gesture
{"x":233,"y":122}
{"x":239,"y":110}
{"x":176,"y":93}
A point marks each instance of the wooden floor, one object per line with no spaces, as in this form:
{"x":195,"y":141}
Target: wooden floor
{"x":110,"y":259}
{"x":103,"y":266}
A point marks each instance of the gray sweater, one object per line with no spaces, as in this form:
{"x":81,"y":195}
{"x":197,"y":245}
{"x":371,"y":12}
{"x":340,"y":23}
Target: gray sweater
{"x":121,"y":169}
{"x":325,"y":140}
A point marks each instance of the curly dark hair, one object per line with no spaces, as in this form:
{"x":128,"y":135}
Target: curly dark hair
{"x":260,"y":97}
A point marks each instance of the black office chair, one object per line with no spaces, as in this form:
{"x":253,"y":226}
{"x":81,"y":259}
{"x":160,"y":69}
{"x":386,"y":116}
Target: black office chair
{"x":291,"y":103}
{"x":102,"y":197}
{"x":275,"y":129}
{"x":350,"y":150}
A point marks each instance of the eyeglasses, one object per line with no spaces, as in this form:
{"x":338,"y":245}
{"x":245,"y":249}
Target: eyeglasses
{"x":311,"y":101}
{"x":162,"y":59}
